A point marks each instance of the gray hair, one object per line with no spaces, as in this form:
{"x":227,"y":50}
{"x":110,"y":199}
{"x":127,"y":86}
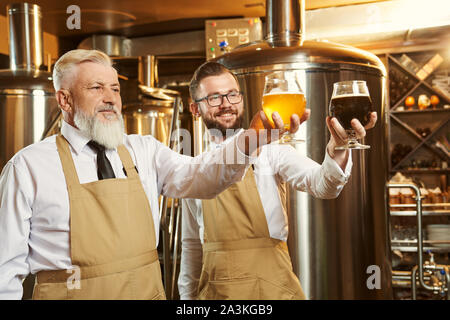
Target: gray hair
{"x":64,"y":65}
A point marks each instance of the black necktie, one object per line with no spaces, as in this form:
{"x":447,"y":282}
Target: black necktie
{"x":104,"y":169}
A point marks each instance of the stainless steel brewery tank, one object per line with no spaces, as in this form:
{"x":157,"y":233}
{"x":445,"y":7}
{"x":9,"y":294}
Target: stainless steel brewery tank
{"x":152,"y":113}
{"x":149,"y":116}
{"x":334,"y":244}
{"x":27,"y":106}
{"x":27,"y":102}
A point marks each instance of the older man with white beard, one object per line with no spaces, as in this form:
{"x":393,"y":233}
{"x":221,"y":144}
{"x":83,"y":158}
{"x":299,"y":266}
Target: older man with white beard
{"x":80,"y":209}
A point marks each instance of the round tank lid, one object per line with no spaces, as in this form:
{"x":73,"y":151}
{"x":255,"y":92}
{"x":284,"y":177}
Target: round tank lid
{"x":26,"y":79}
{"x":159,"y":93}
{"x":316,"y":52}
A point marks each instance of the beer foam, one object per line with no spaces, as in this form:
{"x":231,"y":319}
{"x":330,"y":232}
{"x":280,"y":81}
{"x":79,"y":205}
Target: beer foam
{"x":351,"y":95}
{"x":273,"y":92}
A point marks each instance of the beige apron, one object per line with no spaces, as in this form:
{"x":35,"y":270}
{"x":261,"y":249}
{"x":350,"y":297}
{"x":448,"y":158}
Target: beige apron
{"x":112,"y":239}
{"x":240,"y":260}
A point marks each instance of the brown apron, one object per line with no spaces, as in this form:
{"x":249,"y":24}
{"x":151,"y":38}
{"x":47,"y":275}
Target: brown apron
{"x":112,"y":239}
{"x":240,"y":260}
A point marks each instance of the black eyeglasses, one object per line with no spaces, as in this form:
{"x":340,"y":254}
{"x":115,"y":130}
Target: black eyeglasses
{"x":216,"y":100}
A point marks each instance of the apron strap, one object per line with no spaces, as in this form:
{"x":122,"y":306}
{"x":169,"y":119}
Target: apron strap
{"x":245,"y":244}
{"x":68,"y":166}
{"x":127,"y":162}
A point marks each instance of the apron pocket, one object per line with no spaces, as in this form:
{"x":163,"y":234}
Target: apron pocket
{"x":147,"y":282}
{"x":235,"y":289}
{"x":273,"y":291}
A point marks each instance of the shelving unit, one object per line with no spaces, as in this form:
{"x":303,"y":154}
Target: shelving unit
{"x":415,"y":154}
{"x":404,"y":123}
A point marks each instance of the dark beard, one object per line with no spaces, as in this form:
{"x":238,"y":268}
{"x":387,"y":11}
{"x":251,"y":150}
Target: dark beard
{"x":214,"y":126}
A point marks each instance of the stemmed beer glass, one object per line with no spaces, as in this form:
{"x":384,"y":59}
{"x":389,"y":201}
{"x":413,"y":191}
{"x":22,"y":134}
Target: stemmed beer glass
{"x":351,"y":100}
{"x":283,"y":93}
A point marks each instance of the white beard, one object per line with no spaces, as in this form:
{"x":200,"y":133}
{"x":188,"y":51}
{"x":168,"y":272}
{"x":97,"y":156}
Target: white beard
{"x":107,"y":133}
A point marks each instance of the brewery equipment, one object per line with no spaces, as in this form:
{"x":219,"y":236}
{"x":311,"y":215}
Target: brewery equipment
{"x":152,"y":113}
{"x":27,"y":102}
{"x":223,"y":35}
{"x":334,"y":244}
{"x":113,"y":46}
{"x":159,"y":112}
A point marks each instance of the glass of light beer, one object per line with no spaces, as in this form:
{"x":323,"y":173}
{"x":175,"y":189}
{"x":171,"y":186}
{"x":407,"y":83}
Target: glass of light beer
{"x":283,"y":94}
{"x":351,"y":100}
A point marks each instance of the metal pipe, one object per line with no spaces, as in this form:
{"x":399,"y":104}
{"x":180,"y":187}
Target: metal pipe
{"x":401,"y":273}
{"x":171,"y":222}
{"x":447,"y":278}
{"x":285,"y":21}
{"x":176,"y":108}
{"x":25,"y":36}
{"x":413,"y":283}
{"x":405,"y":275}
{"x":165,"y":226}
{"x":148,"y":74}
{"x":175,"y":248}
{"x":419,"y":229}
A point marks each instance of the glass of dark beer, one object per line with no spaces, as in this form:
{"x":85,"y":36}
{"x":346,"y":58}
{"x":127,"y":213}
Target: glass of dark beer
{"x":351,"y":100}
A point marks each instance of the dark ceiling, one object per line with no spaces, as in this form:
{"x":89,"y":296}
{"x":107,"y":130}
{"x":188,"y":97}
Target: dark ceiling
{"x":134,"y":18}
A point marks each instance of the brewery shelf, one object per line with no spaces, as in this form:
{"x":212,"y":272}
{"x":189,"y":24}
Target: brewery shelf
{"x":420,"y":111}
{"x":422,"y":170}
{"x":429,"y":212}
{"x":407,"y":245}
{"x":424,"y":213}
{"x":418,"y":146}
{"x":424,"y":249}
{"x":407,"y":142}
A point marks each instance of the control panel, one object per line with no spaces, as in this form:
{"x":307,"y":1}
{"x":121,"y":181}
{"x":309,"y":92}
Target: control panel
{"x":224,"y":35}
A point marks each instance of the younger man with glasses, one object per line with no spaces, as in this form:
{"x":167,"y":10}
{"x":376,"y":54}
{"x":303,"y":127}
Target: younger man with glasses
{"x":234,"y":246}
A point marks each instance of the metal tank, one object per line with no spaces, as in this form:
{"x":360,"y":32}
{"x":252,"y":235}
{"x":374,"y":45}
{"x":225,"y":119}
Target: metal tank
{"x":28,"y":106}
{"x":153,"y":113}
{"x":335,"y":245}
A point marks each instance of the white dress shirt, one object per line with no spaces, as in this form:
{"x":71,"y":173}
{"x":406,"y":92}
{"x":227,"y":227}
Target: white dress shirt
{"x":276,"y":164}
{"x":34,"y":202}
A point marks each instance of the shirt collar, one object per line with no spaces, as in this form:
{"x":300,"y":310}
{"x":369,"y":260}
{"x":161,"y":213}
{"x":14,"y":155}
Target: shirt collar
{"x":74,"y":136}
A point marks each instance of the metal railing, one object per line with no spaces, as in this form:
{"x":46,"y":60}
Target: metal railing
{"x":428,"y":266}
{"x":171,"y":221}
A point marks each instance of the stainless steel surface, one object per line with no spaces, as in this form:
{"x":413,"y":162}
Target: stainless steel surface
{"x":25,"y":36}
{"x":285,"y":21}
{"x":154,"y":111}
{"x":413,"y":283}
{"x":170,"y":266}
{"x":112,"y":45}
{"x":176,"y":249}
{"x":147,"y":73}
{"x":149,"y":117}
{"x":331,"y":242}
{"x":28,"y":107}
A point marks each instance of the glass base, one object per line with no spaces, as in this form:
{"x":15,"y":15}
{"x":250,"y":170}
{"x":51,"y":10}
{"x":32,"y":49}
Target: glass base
{"x":352,"y":145}
{"x":290,"y":139}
